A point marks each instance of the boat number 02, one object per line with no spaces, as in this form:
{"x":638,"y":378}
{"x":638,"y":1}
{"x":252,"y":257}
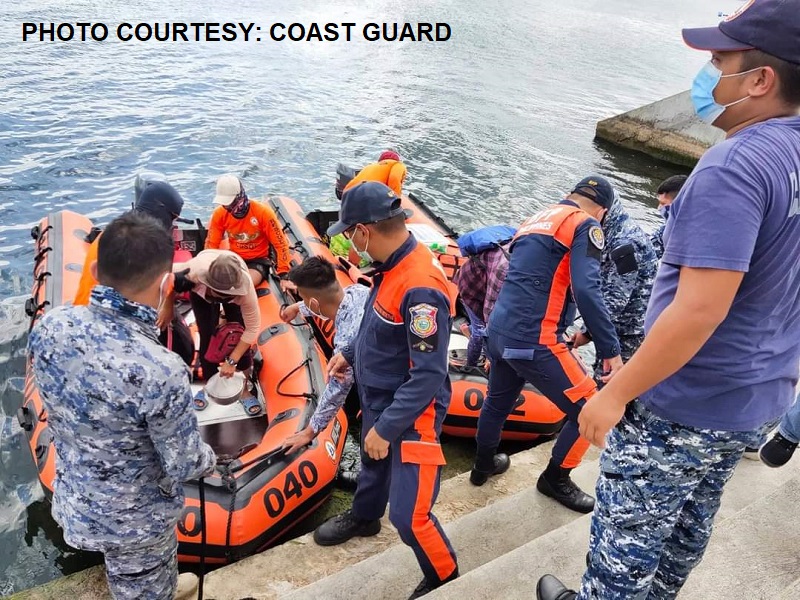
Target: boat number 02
{"x":274,"y":498}
{"x":473,"y":400}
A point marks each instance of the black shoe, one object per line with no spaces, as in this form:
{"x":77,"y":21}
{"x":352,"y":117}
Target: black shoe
{"x":750,"y":453}
{"x":550,"y":588}
{"x":426,"y":585}
{"x":341,"y":528}
{"x":566,"y":492}
{"x":501,"y":464}
{"x":777,"y":451}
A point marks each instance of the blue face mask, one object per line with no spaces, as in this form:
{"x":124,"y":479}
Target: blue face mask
{"x":703,"y":86}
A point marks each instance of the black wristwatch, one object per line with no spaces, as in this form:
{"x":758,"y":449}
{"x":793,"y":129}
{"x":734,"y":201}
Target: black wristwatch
{"x":230,"y":361}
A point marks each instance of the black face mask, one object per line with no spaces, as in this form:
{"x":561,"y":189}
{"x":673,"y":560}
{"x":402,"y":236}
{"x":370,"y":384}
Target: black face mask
{"x":239,"y":207}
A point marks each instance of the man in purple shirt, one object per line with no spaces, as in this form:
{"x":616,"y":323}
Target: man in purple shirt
{"x":719,"y":362}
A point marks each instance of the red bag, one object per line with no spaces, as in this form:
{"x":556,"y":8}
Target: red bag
{"x":224,"y":340}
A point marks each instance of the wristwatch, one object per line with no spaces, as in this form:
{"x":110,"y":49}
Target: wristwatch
{"x":230,"y":361}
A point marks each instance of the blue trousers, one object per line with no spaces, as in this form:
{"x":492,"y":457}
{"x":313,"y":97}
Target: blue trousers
{"x":477,"y":330}
{"x":408,"y":479}
{"x":555,"y":372}
{"x":144,"y":572}
{"x":790,"y":424}
{"x":659,"y":489}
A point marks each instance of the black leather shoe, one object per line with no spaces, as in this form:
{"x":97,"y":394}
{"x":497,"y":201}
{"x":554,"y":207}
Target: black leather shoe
{"x":566,"y":492}
{"x":550,"y":588}
{"x":426,"y":585}
{"x":777,"y":452}
{"x":341,"y":528}
{"x":501,"y":464}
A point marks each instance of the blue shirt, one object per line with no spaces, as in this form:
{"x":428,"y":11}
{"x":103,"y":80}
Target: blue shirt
{"x":119,"y":405}
{"x":738,"y":212}
{"x":347,"y":322}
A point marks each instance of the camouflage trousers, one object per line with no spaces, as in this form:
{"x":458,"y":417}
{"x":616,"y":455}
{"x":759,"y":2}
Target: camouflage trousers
{"x":146,"y":572}
{"x":658,"y":492}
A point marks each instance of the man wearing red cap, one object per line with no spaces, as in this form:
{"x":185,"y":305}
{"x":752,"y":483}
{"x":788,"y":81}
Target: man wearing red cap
{"x":726,"y":303}
{"x":389,"y":170}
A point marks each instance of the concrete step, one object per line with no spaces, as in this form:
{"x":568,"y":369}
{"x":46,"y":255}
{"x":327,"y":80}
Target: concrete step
{"x":791,"y":593}
{"x":300,"y":562}
{"x":478,"y":538}
{"x":759,"y":511}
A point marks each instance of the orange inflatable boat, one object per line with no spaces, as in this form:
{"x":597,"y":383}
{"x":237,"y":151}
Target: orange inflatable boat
{"x":257,"y":493}
{"x":533,"y":416}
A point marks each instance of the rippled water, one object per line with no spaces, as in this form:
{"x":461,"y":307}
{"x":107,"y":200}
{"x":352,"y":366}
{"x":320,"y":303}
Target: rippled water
{"x":492,"y":124}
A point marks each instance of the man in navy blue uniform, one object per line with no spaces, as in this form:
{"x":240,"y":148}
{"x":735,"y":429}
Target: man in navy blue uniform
{"x":555,"y":265}
{"x":400,"y":361}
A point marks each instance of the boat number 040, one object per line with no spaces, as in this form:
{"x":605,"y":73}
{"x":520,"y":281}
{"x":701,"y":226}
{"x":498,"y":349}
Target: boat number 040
{"x":473,"y":400}
{"x":274,"y":498}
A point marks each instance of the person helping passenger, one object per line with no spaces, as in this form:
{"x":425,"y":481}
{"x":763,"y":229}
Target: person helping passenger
{"x":252,"y":231}
{"x":219,"y":279}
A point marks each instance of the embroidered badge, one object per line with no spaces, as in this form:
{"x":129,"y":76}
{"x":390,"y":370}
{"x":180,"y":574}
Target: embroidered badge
{"x":596,"y":237}
{"x":253,"y":221}
{"x":423,"y":320}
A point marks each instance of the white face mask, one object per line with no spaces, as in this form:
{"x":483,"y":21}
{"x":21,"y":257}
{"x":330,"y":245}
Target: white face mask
{"x":316,"y":312}
{"x":363,"y":253}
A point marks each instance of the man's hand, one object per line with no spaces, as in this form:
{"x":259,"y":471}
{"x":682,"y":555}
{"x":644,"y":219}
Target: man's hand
{"x":226,"y":370}
{"x":302,"y":438}
{"x":580,"y":339}
{"x":375,"y":446}
{"x":289,"y":313}
{"x":287,"y":286}
{"x":600,"y":413}
{"x":182,"y":282}
{"x":337,"y":366}
{"x":610,"y":367}
{"x":166,"y":314}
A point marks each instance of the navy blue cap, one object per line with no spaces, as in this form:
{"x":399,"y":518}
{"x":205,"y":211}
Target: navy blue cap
{"x":772,"y":26}
{"x":602,"y":192}
{"x":366,"y":202}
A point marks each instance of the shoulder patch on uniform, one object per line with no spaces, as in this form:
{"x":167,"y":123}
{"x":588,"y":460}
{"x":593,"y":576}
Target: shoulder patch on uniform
{"x":423,"y":320}
{"x":253,"y":221}
{"x":596,"y":237}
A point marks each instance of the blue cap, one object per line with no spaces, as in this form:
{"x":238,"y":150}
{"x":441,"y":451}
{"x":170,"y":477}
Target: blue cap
{"x":772,"y":26}
{"x":366,"y":202}
{"x":602,"y":192}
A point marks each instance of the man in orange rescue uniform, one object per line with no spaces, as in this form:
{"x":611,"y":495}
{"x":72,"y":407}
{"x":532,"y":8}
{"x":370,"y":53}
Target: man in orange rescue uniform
{"x":251,"y":228}
{"x":555,"y":265}
{"x":400,"y":362}
{"x":389,"y":170}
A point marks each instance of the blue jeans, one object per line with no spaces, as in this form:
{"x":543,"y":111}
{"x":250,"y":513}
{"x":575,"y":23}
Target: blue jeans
{"x":477,"y":330}
{"x":790,"y":424}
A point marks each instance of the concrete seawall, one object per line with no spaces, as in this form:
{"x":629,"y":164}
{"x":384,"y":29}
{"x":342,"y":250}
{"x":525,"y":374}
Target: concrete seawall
{"x":667,"y":129}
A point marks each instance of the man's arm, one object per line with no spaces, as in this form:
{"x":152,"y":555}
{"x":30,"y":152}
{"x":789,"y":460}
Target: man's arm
{"x":586,"y":287}
{"x":426,"y":318}
{"x":172,"y":426}
{"x":278,"y":241}
{"x":215,"y":231}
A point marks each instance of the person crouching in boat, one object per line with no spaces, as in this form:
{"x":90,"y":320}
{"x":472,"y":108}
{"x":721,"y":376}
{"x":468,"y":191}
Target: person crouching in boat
{"x":390,"y":171}
{"x":252,"y":229}
{"x":119,"y":406}
{"x":323,"y":296}
{"x":400,"y":362}
{"x":162,"y":202}
{"x":219,"y":278}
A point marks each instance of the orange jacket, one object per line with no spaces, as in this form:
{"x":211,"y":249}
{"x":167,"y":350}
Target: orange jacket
{"x":252,"y":236}
{"x":389,"y":172}
{"x":87,"y":281}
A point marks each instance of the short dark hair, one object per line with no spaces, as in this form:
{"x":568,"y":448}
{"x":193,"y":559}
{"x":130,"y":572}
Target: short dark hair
{"x":788,"y":73}
{"x":391,"y":225}
{"x":314,"y":273}
{"x":132,"y":251}
{"x":672,"y":185}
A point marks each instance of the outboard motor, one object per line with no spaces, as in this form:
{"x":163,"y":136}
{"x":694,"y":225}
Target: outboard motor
{"x":344,"y":175}
{"x":144,"y":179}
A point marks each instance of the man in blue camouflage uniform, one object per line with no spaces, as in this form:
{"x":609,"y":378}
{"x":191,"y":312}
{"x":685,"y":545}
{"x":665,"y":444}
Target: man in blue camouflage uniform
{"x":666,"y":194}
{"x":627,"y":269}
{"x":323,"y":297}
{"x":120,"y":408}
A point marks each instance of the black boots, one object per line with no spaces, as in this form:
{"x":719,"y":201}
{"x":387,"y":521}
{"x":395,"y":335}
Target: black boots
{"x":550,"y":588}
{"x":426,"y":585}
{"x":487,"y":463}
{"x":341,"y":528}
{"x":777,"y":451}
{"x":556,"y":483}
